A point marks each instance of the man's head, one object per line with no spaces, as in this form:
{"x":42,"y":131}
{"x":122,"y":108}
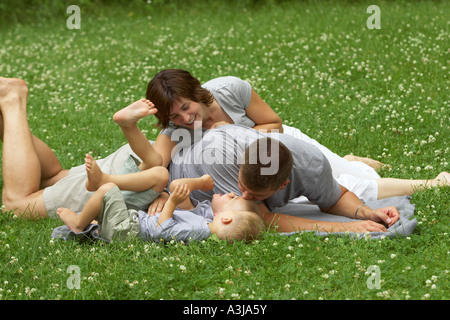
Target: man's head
{"x":257,"y":179}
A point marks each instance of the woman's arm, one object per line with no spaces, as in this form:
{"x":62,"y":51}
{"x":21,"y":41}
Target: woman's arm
{"x":164,"y":146}
{"x":262,"y":114}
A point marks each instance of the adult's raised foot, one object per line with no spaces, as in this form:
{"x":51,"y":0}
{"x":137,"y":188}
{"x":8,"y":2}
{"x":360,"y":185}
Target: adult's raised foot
{"x":131,"y":114}
{"x":12,"y":90}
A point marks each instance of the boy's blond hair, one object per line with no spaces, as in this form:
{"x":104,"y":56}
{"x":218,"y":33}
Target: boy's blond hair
{"x":247,"y":227}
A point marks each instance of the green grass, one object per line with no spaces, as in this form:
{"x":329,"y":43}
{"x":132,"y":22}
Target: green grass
{"x":378,"y":93}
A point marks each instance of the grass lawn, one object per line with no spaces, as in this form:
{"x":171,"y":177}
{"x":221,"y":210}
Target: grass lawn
{"x":381,"y":93}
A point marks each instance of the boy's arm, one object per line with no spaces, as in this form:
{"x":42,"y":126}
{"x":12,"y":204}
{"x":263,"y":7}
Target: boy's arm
{"x":179,"y":195}
{"x":167,"y":212}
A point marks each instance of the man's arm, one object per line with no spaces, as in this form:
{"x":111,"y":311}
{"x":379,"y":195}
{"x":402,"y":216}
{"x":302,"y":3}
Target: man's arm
{"x":287,"y":223}
{"x":349,"y":205}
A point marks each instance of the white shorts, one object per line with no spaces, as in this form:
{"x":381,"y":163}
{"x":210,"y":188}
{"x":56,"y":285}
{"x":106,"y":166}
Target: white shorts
{"x":356,"y":176}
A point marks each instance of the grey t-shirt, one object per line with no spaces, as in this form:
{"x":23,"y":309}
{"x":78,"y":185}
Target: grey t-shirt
{"x":232,"y":94}
{"x":185,"y":225}
{"x":220,"y":154}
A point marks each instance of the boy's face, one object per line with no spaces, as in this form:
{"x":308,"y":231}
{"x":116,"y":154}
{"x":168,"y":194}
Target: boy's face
{"x":226,"y":202}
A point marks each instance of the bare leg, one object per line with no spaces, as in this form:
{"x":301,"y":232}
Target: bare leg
{"x":27,"y":161}
{"x":204,"y":183}
{"x":370,"y":162}
{"x":89,"y":213}
{"x":154,"y":178}
{"x":389,"y":187}
{"x":51,"y":170}
{"x":127,"y":119}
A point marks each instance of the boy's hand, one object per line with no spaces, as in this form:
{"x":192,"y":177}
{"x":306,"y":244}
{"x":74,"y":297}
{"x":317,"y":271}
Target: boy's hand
{"x":180,"y":193}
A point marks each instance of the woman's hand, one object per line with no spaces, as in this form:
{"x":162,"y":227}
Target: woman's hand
{"x":157,"y":205}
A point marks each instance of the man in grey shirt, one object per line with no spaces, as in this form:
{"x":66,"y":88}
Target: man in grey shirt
{"x":220,"y":153}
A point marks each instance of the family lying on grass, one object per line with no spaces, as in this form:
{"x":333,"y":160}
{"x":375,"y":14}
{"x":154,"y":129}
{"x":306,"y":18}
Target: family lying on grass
{"x":240,"y":133}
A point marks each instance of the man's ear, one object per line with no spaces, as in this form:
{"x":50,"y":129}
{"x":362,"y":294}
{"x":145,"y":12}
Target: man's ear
{"x":226,"y":220}
{"x":284,"y":184}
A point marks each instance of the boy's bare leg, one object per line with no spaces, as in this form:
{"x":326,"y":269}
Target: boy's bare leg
{"x":389,"y":187}
{"x":204,"y":183}
{"x":78,"y":222}
{"x":154,"y":178}
{"x":127,"y":119}
{"x":27,"y":161}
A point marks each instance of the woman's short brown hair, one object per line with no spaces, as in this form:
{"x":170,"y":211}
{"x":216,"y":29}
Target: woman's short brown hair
{"x":169,"y":86}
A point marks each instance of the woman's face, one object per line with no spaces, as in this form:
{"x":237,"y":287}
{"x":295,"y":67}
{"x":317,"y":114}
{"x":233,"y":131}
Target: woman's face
{"x":185,"y":113}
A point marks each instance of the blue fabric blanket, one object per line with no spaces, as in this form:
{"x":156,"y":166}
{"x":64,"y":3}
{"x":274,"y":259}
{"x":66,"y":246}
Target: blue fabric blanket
{"x":402,"y":228}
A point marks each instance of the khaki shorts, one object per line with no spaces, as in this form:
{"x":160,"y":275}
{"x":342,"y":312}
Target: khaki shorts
{"x":115,"y":220}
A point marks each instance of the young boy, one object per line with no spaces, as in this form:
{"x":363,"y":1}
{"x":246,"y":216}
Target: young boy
{"x":231,"y":218}
{"x":119,"y":214}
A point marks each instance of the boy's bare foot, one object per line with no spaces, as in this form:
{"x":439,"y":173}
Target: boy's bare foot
{"x":207,"y":182}
{"x":70,"y":218}
{"x":134,"y":112}
{"x":95,"y":176}
{"x":12,"y":89}
{"x":370,"y":162}
{"x":442,"y":180}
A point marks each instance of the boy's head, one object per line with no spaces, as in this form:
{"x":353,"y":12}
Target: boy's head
{"x":234,"y":225}
{"x":255,"y":181}
{"x":172,"y":85}
{"x":235,"y":219}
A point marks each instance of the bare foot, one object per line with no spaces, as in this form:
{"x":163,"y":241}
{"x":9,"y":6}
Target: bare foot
{"x":12,"y":89}
{"x":95,"y":176}
{"x":134,"y":112}
{"x":370,"y":162}
{"x":70,"y":218}
{"x":207,"y":182}
{"x":442,"y":180}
